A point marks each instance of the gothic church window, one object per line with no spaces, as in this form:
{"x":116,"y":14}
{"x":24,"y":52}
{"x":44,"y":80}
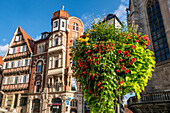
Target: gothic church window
{"x":157,"y":31}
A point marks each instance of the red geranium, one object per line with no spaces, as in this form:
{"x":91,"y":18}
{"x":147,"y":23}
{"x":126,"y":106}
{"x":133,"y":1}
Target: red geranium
{"x":117,"y":71}
{"x":127,"y":71}
{"x":133,"y":59}
{"x":123,"y":68}
{"x":119,"y":51}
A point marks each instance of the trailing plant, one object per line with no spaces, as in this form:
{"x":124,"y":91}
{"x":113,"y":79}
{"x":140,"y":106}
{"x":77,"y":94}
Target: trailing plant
{"x":107,"y":59}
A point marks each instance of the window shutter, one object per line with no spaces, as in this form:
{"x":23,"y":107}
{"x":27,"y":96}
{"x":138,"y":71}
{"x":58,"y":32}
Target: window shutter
{"x":19,"y":79}
{"x":10,"y":50}
{"x":4,"y":65}
{"x":25,"y":48}
{"x":28,"y":61}
{"x":20,"y":49}
{"x":9,"y":64}
{"x":15,"y":63}
{"x":27,"y":78}
{"x":23,"y":62}
{"x":17,"y":38}
{"x":5,"y":80}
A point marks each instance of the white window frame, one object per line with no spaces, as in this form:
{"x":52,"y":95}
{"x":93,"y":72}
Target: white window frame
{"x":75,"y":83}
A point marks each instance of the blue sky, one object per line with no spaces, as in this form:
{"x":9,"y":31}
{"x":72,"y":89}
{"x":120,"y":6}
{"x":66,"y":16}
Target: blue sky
{"x":34,"y":16}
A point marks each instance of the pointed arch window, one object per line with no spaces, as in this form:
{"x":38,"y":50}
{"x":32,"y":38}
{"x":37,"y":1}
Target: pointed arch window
{"x":157,"y":31}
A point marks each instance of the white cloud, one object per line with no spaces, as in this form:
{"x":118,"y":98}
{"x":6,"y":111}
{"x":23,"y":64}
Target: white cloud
{"x":125,"y":2}
{"x":4,"y":39}
{"x":121,"y":12}
{"x":3,"y":49}
{"x":37,"y":38}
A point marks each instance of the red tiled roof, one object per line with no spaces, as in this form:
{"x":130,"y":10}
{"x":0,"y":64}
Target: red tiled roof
{"x":1,"y":61}
{"x":26,"y":37}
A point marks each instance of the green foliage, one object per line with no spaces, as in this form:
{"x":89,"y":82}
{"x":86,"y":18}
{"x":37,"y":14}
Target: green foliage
{"x":106,"y":60}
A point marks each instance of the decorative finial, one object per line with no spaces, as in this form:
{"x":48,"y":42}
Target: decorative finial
{"x":62,"y":7}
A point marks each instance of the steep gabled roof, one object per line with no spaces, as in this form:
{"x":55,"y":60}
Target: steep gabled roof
{"x":27,"y":38}
{"x":29,"y":41}
{"x":1,"y":61}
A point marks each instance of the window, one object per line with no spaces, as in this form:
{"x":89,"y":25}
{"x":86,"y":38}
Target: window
{"x":26,"y":62}
{"x":39,"y":67}
{"x":12,"y":64}
{"x":6,"y":65}
{"x":157,"y":31}
{"x":75,"y":26}
{"x":37,"y":86}
{"x":56,"y":41}
{"x":16,"y":78}
{"x":18,"y":38}
{"x":24,"y":79}
{"x":9,"y":100}
{"x":23,"y":101}
{"x":14,"y":50}
{"x":51,"y":62}
{"x":39,"y":49}
{"x":73,"y":84}
{"x":56,"y":85}
{"x":60,"y":40}
{"x":10,"y":50}
{"x":73,"y":103}
{"x":19,"y":79}
{"x":56,"y":62}
{"x":18,"y":64}
{"x":62,"y":24}
{"x":12,"y":80}
{"x":43,"y":48}
{"x":56,"y":24}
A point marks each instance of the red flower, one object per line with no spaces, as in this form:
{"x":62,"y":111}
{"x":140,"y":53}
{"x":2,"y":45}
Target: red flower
{"x":77,"y":74}
{"x":101,"y":87}
{"x":124,"y":53}
{"x":121,"y":60}
{"x":119,"y":51}
{"x":112,"y":47}
{"x":127,"y":55}
{"x":89,"y":91}
{"x":117,"y":71}
{"x":83,"y":72}
{"x":95,"y":95}
{"x":107,"y":50}
{"x":119,"y":65}
{"x":94,"y":74}
{"x":127,"y":71}
{"x":139,"y":37}
{"x":123,"y":68}
{"x":123,"y":64}
{"x":101,"y":44}
{"x":130,"y":37}
{"x":95,"y":49}
{"x":104,"y":48}
{"x":136,"y":40}
{"x":90,"y":74}
{"x":121,"y":82}
{"x":133,"y":59}
{"x":95,"y":46}
{"x":113,"y":44}
{"x":99,"y":56}
{"x":71,"y":40}
{"x":131,"y":45}
{"x":108,"y":46}
{"x":105,"y":65}
{"x":130,"y":62}
{"x":134,"y":47}
{"x":117,"y":61}
{"x":86,"y":87}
